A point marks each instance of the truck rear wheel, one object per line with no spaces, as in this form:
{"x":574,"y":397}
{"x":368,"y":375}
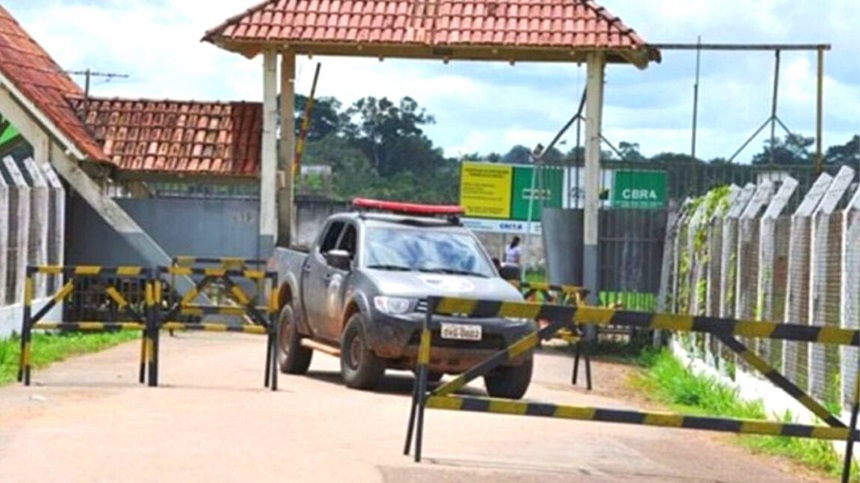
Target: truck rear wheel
{"x":359,"y":366}
{"x":293,"y":357}
{"x":510,"y":382}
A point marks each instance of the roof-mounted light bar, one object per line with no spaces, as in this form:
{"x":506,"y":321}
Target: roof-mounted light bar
{"x":408,"y":208}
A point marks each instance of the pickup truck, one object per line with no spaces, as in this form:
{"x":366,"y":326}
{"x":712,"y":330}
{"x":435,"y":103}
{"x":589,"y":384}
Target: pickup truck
{"x":360,"y":294}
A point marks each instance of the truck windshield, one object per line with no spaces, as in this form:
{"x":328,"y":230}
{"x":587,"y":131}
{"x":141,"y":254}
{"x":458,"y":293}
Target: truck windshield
{"x":425,"y":251}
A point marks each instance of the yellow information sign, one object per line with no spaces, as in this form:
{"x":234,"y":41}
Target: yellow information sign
{"x":485,"y":190}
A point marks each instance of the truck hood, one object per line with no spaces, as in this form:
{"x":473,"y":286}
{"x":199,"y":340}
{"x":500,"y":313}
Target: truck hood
{"x":422,"y":285}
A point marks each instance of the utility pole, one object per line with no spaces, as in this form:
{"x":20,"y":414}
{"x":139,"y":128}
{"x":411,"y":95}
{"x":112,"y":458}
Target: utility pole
{"x":88,"y":74}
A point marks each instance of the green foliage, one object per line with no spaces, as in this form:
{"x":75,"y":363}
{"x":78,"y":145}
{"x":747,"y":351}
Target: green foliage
{"x":793,"y":149}
{"x":48,"y":348}
{"x":376,"y":148}
{"x":670,"y":382}
{"x":845,"y":154}
{"x":325,"y":117}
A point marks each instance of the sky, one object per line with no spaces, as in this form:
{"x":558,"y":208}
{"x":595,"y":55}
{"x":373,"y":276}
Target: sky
{"x":490,"y":107}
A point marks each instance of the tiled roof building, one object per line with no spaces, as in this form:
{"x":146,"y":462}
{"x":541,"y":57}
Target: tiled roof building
{"x":29,"y":68}
{"x":204,"y":138}
{"x":167,"y":137}
{"x":557,"y":30}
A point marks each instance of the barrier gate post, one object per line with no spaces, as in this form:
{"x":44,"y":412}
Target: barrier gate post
{"x":263,"y":318}
{"x":727,"y":330}
{"x":121,"y":275}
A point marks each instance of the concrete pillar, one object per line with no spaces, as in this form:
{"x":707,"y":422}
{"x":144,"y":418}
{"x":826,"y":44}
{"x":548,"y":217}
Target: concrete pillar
{"x":286,"y":209}
{"x":19,"y":227}
{"x":56,"y":223}
{"x":594,"y":115}
{"x":268,"y":168}
{"x":37,"y":250}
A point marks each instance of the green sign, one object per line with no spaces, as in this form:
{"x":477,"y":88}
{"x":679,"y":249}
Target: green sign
{"x":545,"y":191}
{"x":639,"y":189}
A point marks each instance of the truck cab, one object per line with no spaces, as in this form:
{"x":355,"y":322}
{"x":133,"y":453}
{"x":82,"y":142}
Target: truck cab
{"x":360,"y":293}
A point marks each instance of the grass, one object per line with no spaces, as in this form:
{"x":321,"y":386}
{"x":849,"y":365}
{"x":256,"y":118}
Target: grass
{"x":668,"y":381}
{"x":50,"y":348}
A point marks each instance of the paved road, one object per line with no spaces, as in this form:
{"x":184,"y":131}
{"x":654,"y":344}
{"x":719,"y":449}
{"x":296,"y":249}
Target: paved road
{"x":87,"y":420}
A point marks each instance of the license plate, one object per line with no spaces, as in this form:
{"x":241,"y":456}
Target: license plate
{"x":461,"y":331}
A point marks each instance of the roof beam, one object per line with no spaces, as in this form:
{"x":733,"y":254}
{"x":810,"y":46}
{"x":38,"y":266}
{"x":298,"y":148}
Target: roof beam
{"x":731,"y":46}
{"x":639,"y":57}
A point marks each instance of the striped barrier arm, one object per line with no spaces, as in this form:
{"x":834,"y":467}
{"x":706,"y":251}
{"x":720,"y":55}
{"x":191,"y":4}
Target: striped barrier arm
{"x":568,"y":289}
{"x":551,"y":293}
{"x":247,"y":329}
{"x":668,"y":420}
{"x":223,"y":261}
{"x":218,"y":272}
{"x":89,"y":326}
{"x":91,"y":270}
{"x":192,"y":309}
{"x":585,"y":315}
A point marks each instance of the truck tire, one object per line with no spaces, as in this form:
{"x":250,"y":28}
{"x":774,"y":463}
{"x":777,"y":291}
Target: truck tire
{"x":293,"y":357}
{"x":359,"y":366}
{"x":510,"y":382}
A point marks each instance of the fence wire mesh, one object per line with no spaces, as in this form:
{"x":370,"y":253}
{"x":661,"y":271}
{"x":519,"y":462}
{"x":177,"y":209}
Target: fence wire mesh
{"x":773,"y":277}
{"x":797,"y":309}
{"x":850,"y":299}
{"x":826,"y":296}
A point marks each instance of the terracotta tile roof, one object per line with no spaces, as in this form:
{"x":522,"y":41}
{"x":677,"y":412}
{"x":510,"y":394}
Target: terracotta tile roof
{"x":536,"y":26}
{"x":35,"y":74}
{"x":178,"y":137}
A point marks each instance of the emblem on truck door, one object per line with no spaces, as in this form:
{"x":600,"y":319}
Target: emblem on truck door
{"x":448,"y":283}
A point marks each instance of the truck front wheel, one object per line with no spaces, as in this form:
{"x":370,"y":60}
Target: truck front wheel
{"x":359,"y":366}
{"x":293,"y":357}
{"x":510,"y":382}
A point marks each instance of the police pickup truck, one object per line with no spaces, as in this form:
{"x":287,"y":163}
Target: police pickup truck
{"x":360,"y":294}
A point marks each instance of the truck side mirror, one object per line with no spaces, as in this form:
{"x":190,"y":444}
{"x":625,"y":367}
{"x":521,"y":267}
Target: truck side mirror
{"x":339,"y":259}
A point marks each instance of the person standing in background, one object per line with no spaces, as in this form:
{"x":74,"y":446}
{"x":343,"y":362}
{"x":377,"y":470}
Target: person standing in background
{"x":513,"y":252}
{"x":510,"y":269}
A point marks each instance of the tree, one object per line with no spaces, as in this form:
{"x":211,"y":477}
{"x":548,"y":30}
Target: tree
{"x":794,"y":149}
{"x":848,"y":153}
{"x":376,"y":125}
{"x":518,"y":154}
{"x":351,"y":170}
{"x":325,"y":117}
{"x":630,"y":152}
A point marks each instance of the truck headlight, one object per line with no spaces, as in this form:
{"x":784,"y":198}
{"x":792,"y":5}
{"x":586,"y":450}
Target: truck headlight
{"x":392,"y":305}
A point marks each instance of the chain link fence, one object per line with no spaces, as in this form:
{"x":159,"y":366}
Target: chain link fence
{"x":783,"y":251}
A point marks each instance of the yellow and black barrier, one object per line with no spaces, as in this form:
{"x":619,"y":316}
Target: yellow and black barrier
{"x":140,"y":313}
{"x":666,"y":420}
{"x":256,"y":312}
{"x":572,"y":317}
{"x":562,"y":295}
{"x":549,"y":293}
{"x":150,"y":316}
{"x":223,"y":262}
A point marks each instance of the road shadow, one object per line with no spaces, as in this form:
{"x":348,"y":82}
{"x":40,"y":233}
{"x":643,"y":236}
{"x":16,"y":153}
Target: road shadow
{"x":395,"y":384}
